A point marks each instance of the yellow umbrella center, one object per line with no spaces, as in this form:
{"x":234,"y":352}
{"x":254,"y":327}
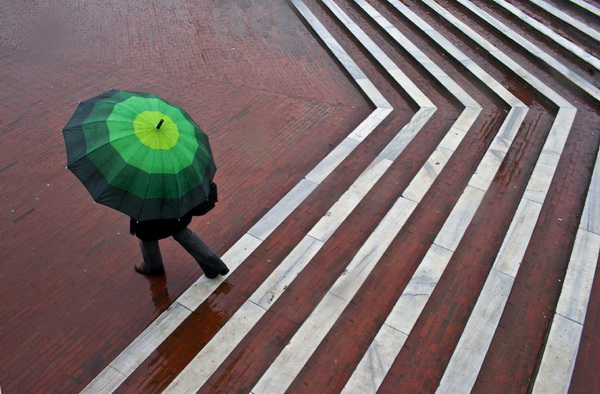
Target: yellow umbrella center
{"x":156,"y":130}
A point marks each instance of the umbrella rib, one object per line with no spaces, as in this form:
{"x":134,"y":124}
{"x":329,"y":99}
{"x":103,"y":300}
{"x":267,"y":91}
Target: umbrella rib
{"x":144,"y":200}
{"x":128,"y":191}
{"x":95,"y":196}
{"x":178,"y":180}
{"x":88,"y":152}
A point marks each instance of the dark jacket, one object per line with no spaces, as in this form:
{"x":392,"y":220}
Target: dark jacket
{"x":153,"y":230}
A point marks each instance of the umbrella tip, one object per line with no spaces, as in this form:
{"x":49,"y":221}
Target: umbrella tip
{"x":160,"y":124}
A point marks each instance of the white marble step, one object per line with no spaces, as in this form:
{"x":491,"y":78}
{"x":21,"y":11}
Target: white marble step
{"x":267,"y":294}
{"x":542,"y":28}
{"x":111,"y":377}
{"x":533,"y":49}
{"x":562,"y":345}
{"x":470,"y":352}
{"x":556,"y":367}
{"x":587,"y":6}
{"x":368,"y":376}
{"x":563,"y":16}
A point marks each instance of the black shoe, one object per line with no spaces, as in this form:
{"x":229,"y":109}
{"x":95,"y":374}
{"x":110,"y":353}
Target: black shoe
{"x":223,"y":272}
{"x":138,"y":268}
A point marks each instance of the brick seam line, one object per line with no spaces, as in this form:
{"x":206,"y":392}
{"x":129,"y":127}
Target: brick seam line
{"x":389,"y":340}
{"x":215,"y":352}
{"x":587,"y":6}
{"x":568,"y":45}
{"x":467,"y":358}
{"x":291,"y":359}
{"x":133,"y":355}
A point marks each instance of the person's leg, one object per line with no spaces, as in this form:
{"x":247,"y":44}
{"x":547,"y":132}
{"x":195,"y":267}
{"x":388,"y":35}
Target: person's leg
{"x":210,"y":263}
{"x":152,"y":264}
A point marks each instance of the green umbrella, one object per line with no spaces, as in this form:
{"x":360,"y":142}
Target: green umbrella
{"x":139,"y":154}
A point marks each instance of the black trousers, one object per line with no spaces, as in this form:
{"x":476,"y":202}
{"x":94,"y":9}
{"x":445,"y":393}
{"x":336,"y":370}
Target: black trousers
{"x":210,"y":263}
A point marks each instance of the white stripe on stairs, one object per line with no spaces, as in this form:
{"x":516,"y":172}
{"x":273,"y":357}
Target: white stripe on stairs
{"x":470,"y":352}
{"x":582,"y":27}
{"x":562,"y":345}
{"x":293,"y":357}
{"x":215,"y":352}
{"x":587,"y":6}
{"x":530,"y":47}
{"x":149,"y":340}
{"x":568,"y":45}
{"x":390,"y":339}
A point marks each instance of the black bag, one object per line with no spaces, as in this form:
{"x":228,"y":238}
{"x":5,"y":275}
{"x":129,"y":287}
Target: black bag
{"x":153,"y":230}
{"x":205,"y":206}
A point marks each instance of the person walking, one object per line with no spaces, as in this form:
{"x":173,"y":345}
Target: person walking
{"x":149,"y":232}
{"x":147,"y":158}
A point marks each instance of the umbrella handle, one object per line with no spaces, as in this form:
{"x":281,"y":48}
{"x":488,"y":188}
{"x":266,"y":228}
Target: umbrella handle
{"x":159,"y":124}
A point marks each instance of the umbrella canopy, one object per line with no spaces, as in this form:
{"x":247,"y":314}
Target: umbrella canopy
{"x":139,"y":154}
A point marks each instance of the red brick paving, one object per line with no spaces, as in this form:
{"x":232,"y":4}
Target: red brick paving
{"x":71,"y":300}
{"x":273,"y":332}
{"x":275,"y":329}
{"x":245,"y":281}
{"x":274,"y":103}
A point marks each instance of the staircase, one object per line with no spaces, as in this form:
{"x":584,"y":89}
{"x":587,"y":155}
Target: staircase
{"x":449,"y":243}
